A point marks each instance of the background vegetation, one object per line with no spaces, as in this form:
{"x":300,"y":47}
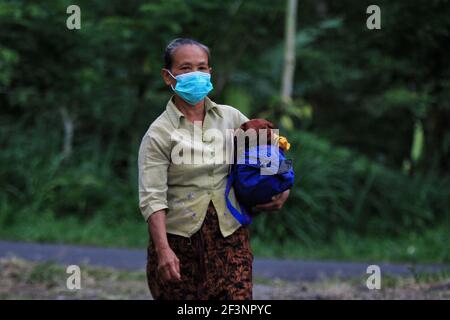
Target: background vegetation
{"x":369,"y":120}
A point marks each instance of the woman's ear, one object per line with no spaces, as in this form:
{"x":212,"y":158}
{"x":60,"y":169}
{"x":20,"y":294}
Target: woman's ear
{"x":168,"y":80}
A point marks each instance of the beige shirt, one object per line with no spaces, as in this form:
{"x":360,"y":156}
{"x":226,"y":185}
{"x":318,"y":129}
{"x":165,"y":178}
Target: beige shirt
{"x":181,"y":187}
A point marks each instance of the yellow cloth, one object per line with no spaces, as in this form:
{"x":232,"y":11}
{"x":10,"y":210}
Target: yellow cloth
{"x":283,"y":143}
{"x":185,"y":190}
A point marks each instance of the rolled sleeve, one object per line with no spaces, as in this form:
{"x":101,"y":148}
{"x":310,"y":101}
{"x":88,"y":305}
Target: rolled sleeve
{"x":153,"y":162}
{"x":241,"y":119}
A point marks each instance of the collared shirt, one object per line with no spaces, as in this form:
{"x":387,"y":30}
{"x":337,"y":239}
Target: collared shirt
{"x":171,"y":176}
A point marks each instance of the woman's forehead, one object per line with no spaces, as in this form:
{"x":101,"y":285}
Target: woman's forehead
{"x":191,"y":54}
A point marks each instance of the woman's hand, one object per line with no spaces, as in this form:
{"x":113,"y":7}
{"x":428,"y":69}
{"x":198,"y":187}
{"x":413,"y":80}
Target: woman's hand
{"x":276,"y":203}
{"x":168,"y":265}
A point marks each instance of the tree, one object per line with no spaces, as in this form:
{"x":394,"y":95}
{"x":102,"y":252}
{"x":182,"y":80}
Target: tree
{"x":287,"y":82}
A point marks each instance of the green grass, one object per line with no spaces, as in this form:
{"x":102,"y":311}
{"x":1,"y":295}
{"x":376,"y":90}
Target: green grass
{"x":97,"y":231}
{"x":432,"y":246}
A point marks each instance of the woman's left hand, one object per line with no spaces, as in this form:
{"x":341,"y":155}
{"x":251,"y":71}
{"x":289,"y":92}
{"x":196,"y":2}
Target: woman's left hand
{"x":276,"y":203}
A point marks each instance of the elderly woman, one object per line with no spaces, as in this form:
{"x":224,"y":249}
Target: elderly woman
{"x":197,"y":249}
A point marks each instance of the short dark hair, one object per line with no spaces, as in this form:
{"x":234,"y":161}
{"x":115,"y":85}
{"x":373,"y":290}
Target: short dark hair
{"x":178,"y":42}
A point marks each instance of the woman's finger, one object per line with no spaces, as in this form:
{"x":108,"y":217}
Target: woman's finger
{"x":174,"y":274}
{"x":268,"y":206}
{"x":261,"y":207}
{"x":277,"y":196}
{"x":177,"y":266}
{"x":265,"y":206}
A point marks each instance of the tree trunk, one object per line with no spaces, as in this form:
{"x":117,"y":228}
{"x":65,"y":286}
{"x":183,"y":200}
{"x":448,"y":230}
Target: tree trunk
{"x":68,"y":132}
{"x":287,"y":80}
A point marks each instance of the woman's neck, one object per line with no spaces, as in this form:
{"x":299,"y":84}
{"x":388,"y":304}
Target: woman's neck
{"x":192,"y":113}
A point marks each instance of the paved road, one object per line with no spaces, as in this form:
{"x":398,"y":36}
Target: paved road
{"x":134,"y":259}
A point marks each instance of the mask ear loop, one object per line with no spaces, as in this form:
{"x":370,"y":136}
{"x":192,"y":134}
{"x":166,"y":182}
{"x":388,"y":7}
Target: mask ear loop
{"x":170,"y":73}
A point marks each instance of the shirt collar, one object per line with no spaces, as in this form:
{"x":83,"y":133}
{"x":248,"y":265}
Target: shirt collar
{"x":175,"y":114}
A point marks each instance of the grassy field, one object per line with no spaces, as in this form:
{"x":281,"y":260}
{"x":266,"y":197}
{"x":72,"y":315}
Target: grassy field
{"x":432,"y":246}
{"x":20,"y":279}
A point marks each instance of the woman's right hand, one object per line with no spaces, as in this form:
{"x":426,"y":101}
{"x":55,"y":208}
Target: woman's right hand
{"x":168,"y":264}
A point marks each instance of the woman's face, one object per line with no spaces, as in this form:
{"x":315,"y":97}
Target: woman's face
{"x":187,"y":58}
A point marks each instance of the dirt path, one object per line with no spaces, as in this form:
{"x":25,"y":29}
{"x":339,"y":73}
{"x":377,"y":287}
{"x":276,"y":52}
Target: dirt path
{"x":23,"y":279}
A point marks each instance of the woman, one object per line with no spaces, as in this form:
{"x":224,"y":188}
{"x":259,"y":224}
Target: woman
{"x":197,"y":249}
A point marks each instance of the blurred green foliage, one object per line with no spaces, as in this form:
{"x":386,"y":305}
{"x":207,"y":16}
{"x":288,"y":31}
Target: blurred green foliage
{"x":369,"y":121}
{"x":338,"y":189}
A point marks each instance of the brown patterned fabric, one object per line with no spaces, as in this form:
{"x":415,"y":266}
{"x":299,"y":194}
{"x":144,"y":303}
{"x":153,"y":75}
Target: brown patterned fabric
{"x":212,"y":267}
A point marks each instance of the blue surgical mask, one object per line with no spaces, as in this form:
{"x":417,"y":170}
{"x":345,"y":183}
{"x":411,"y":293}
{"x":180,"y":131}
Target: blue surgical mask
{"x":192,"y":87}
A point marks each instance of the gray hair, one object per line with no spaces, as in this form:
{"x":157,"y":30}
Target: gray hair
{"x":176,"y":43}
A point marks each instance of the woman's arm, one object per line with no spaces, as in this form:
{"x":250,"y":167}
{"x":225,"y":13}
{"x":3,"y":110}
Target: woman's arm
{"x":168,"y":263}
{"x":153,"y":163}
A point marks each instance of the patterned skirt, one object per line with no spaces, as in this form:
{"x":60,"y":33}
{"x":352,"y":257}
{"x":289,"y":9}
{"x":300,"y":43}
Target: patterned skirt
{"x":212,"y":267}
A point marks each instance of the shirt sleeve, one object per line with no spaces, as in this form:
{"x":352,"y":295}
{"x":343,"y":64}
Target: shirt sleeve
{"x":153,"y":162}
{"x":241,"y":119}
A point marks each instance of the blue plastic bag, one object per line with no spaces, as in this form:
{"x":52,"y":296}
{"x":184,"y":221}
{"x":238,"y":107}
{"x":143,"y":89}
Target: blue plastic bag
{"x":251,"y":187}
